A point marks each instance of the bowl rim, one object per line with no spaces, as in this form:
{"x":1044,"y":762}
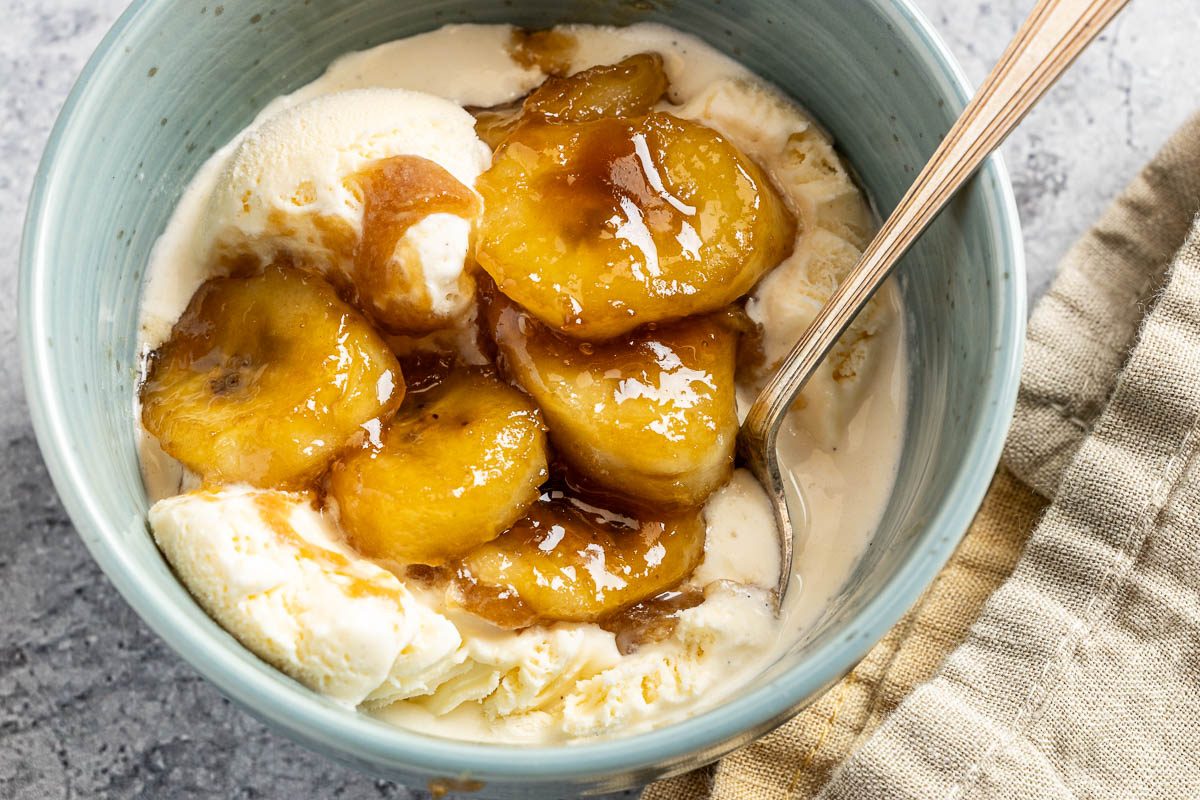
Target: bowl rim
{"x":306,"y":717}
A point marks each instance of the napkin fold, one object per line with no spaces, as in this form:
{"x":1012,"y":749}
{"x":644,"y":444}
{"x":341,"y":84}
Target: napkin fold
{"x":1058,"y":653}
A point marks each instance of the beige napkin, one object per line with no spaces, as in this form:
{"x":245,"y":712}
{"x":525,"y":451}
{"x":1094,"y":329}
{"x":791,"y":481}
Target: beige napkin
{"x":1057,"y":655}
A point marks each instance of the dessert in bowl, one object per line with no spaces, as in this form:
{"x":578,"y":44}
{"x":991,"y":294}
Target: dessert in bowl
{"x":525,"y":347}
{"x":446,"y":430}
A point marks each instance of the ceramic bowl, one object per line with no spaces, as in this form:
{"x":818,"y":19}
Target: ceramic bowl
{"x":175,"y":79}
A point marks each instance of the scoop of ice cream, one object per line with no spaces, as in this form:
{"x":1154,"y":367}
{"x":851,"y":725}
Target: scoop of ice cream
{"x":294,"y":187}
{"x":732,"y":624}
{"x":569,"y":680}
{"x":785,"y":303}
{"x":270,"y":569}
{"x":835,"y":224}
{"x":739,"y":543}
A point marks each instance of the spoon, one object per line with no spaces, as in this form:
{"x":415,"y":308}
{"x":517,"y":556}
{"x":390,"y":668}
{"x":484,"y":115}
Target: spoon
{"x":1055,"y":32}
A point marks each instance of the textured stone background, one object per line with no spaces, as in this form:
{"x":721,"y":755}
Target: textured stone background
{"x":93,"y":705}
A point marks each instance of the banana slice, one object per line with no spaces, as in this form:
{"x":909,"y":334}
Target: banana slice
{"x":651,"y":415}
{"x":452,"y":471}
{"x":265,"y":378}
{"x":573,"y":561}
{"x":625,"y":89}
{"x":628,"y":88}
{"x":599,"y":227}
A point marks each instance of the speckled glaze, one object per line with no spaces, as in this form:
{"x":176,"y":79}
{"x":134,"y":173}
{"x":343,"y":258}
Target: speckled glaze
{"x":174,"y":80}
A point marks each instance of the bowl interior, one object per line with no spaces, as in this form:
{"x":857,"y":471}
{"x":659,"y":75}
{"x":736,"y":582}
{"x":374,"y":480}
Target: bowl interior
{"x":177,"y":79}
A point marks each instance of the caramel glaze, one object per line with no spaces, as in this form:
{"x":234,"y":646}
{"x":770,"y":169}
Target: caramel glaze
{"x":388,"y":286}
{"x":276,"y":512}
{"x":607,"y":168}
{"x":651,"y":414}
{"x":236,"y":363}
{"x":651,"y":620}
{"x":425,"y":370}
{"x":548,"y":50}
{"x":396,"y":194}
{"x":578,"y":525}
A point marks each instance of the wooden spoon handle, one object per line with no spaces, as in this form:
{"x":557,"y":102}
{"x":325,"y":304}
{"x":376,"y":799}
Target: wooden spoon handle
{"x":1055,"y":32}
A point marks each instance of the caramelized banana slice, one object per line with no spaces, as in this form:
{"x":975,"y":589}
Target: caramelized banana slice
{"x":650,"y":415}
{"x":628,"y":88}
{"x":598,"y":227}
{"x":452,"y":471}
{"x":625,"y":89}
{"x":263,"y":379}
{"x":573,"y":561}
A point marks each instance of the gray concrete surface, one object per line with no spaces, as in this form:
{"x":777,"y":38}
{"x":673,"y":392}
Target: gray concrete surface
{"x":93,"y":705}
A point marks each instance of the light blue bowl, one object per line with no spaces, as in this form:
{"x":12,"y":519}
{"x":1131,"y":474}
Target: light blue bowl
{"x":177,"y":78}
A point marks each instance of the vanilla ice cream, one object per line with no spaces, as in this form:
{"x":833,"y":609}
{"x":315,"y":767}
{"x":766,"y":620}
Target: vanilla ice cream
{"x":287,"y":190}
{"x":276,"y":572}
{"x":271,"y":569}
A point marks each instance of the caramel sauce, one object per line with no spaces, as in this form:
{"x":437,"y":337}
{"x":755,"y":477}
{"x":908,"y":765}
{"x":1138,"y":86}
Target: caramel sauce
{"x":426,"y":576}
{"x":549,"y":50}
{"x":425,"y":370}
{"x":397,"y":193}
{"x":500,"y":605}
{"x":226,"y":371}
{"x":276,"y":511}
{"x":651,"y":414}
{"x":236,"y":263}
{"x":652,"y":362}
{"x":615,"y":188}
{"x":578,"y":554}
{"x":652,"y":620}
{"x":452,"y":470}
{"x":335,"y":234}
